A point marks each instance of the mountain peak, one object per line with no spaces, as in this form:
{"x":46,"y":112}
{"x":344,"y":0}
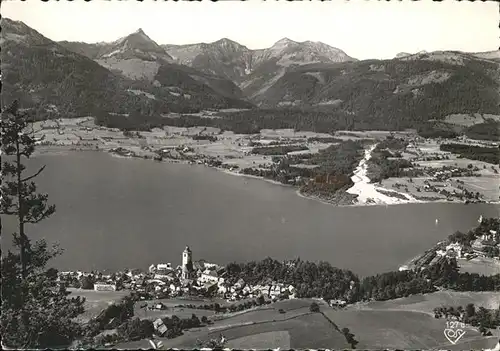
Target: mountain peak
{"x":229,"y":44}
{"x":284,"y":41}
{"x":224,"y":40}
{"x":136,"y":45}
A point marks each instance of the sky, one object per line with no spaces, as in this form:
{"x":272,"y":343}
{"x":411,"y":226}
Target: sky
{"x":363,"y":29}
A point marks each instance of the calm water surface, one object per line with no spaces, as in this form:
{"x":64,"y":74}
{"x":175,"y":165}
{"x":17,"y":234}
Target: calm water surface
{"x":116,"y":213}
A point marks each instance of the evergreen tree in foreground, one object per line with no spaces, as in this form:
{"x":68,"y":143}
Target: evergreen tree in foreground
{"x":36,"y":310}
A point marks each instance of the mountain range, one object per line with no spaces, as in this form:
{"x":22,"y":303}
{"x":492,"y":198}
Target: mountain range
{"x":134,"y":74}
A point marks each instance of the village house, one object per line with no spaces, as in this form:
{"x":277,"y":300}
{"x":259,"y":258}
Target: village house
{"x":209,"y":276}
{"x":104,"y":287}
{"x":160,"y":327}
{"x":164,"y":274}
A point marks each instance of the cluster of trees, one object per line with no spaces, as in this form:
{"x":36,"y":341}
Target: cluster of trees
{"x":339,"y":159}
{"x":380,"y":166}
{"x":431,"y":130}
{"x":335,"y":166}
{"x":241,"y":122}
{"x":446,"y":274}
{"x":489,"y":130}
{"x":310,"y":279}
{"x":484,"y":228}
{"x":392,"y":143}
{"x":230,"y":308}
{"x":211,"y":138}
{"x":136,"y":329}
{"x":472,"y":152}
{"x":176,"y":325}
{"x":392,"y":285}
{"x":278,"y":150}
{"x":37,"y":311}
{"x":386,"y":161}
{"x":324,"y":140}
{"x":482,"y":317}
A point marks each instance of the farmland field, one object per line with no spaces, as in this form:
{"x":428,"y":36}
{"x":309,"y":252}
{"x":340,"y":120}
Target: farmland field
{"x":427,"y":302}
{"x":171,"y":311}
{"x":306,"y":331}
{"x":483,"y":266}
{"x":269,"y":340}
{"x":266,"y":324}
{"x":474,"y":344}
{"x":395,"y":329}
{"x":96,"y":301}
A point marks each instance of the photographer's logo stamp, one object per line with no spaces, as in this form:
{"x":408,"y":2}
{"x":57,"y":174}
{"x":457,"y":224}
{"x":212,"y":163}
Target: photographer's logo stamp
{"x":454,"y":331}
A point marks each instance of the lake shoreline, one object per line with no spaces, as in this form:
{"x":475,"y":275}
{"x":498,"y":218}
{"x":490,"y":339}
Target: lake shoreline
{"x":57,"y":151}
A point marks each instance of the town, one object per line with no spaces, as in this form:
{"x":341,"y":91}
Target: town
{"x":483,"y":247}
{"x":193,"y":278}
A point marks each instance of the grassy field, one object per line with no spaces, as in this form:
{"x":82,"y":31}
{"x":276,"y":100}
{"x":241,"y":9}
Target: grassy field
{"x":268,"y":340}
{"x":484,"y":266}
{"x":486,"y":185}
{"x":395,"y":329}
{"x":296,"y":328}
{"x":474,"y":344}
{"x":409,"y":322}
{"x":401,"y":323}
{"x":427,"y":302}
{"x":171,"y":311}
{"x":96,"y":301}
{"x":310,"y":330}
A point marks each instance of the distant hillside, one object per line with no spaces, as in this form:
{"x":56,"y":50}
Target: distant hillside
{"x":138,"y":57}
{"x":396,"y":93}
{"x":224,"y":58}
{"x":253,"y":70}
{"x":58,"y":82}
{"x":488,"y":55}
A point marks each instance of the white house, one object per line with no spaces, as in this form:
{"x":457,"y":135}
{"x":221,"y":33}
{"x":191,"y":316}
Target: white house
{"x":160,"y":327}
{"x":209,"y":277}
{"x":222,"y":289}
{"x":104,"y":287}
{"x":455,"y":247}
{"x":165,"y":266}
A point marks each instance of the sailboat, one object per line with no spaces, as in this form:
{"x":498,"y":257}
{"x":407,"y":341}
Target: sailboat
{"x":437,"y":221}
{"x":480,"y":220}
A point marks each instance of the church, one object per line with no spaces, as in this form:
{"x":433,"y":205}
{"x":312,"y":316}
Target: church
{"x":187,"y":264}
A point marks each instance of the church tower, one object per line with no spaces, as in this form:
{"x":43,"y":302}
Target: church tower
{"x":187,"y":263}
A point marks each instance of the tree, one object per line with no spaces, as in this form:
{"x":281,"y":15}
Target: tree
{"x":314,"y":307}
{"x":349,"y":337}
{"x":36,"y":309}
{"x":470,"y":310}
{"x":136,"y":329}
{"x":86,"y":283}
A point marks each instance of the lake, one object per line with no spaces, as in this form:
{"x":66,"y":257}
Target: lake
{"x":115,"y":213}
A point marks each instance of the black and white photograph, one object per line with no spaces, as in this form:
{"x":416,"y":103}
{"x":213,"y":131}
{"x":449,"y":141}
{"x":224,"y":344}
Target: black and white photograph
{"x":250,"y":175}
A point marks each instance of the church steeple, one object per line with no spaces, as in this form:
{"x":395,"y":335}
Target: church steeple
{"x":187,"y":263}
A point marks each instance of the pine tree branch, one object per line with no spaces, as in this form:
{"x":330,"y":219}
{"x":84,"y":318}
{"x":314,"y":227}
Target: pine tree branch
{"x":34,"y":175}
